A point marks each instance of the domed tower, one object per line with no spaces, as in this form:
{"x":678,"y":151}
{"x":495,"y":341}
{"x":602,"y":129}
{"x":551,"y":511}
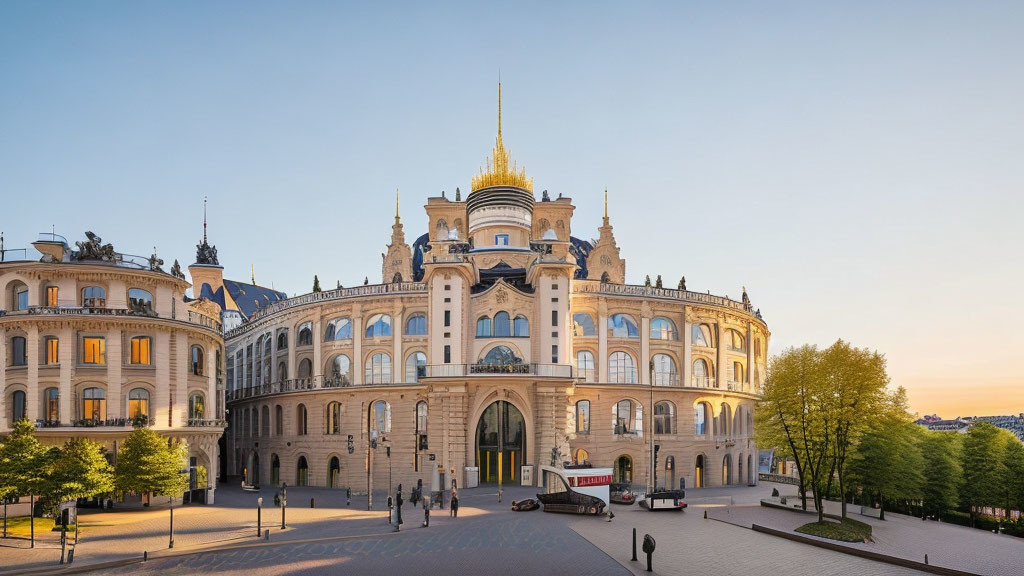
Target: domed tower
{"x":500,"y":206}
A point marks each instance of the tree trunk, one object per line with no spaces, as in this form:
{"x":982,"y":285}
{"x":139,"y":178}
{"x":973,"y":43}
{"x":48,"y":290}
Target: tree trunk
{"x":819,"y":503}
{"x":842,"y":495}
{"x":803,"y":495}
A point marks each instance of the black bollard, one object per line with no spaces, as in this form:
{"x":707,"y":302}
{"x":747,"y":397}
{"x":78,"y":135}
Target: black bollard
{"x":311,"y":503}
{"x":634,"y":544}
{"x":925,"y":559}
{"x":145,"y":556}
{"x":705,"y":514}
{"x":649,"y":545}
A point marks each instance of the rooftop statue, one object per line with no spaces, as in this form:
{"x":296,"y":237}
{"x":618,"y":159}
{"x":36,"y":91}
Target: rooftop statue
{"x":682,"y":283}
{"x":94,"y":249}
{"x":155,"y":263}
{"x":206,"y":254}
{"x":176,"y":270}
{"x":544,"y":196}
{"x":657,"y":282}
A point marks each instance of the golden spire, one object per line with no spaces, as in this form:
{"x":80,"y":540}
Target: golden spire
{"x":605,"y":203}
{"x":499,"y":172}
{"x":396,"y":203}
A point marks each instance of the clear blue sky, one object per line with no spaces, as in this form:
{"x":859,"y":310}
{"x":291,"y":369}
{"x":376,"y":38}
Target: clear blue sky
{"x":858,"y":167}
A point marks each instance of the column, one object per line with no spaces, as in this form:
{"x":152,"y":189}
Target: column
{"x":686,"y":370}
{"x":318,"y":365}
{"x":32,"y":384}
{"x":212,"y":400}
{"x":645,"y":350}
{"x":602,"y":343}
{"x":115,"y":403}
{"x":292,"y":339}
{"x":357,"y":345}
{"x":66,"y":356}
{"x":397,"y":363}
{"x":750,"y":360}
{"x":162,"y":361}
{"x":181,"y":363}
{"x":721,"y":379}
{"x":3,"y":381}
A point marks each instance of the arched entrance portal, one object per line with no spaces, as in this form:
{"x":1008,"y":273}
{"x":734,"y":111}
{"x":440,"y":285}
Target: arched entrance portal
{"x":500,"y":442}
{"x":698,"y":472}
{"x":622,"y":472}
{"x":333,"y":472}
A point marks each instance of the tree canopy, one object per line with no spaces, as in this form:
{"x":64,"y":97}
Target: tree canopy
{"x":149,"y":462}
{"x":24,"y":462}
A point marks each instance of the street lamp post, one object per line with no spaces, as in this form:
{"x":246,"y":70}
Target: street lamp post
{"x":259,"y":516}
{"x":654,"y":471}
{"x":171,"y":543}
{"x":284,"y":502}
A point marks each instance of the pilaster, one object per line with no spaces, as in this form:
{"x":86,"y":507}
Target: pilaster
{"x":115,"y":360}
{"x":162,"y":361}
{"x":179,"y":411}
{"x":66,"y":353}
{"x":32,"y":385}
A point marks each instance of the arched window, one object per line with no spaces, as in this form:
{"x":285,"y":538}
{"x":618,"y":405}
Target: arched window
{"x":305,"y":334}
{"x":301,"y":420}
{"x":19,"y":352}
{"x":583,"y":325}
{"x":737,"y":376}
{"x":305,"y":369}
{"x":664,"y":417}
{"x":665,"y":370}
{"x":94,"y":404}
{"x":585,"y":366}
{"x":140,"y":301}
{"x":415,"y":367}
{"x":622,"y":471}
{"x":502,"y":329}
{"x":341,"y":370}
{"x":275,"y":470}
{"x":621,"y":368}
{"x":380,"y":419}
{"x":18,"y":408}
{"x":282,"y":371}
{"x":663,"y":329}
{"x":583,"y":417}
{"x":282,"y":340}
{"x":302,"y":472}
{"x":198,"y":367}
{"x":140,"y":350}
{"x":333,"y":418}
{"x":138,"y":404}
{"x":701,"y":335}
{"x":442,"y":230}
{"x":701,"y":377}
{"x":622,"y":326}
{"x":338,"y":329}
{"x":378,"y":326}
{"x":698,"y":472}
{"x":735,"y":341}
{"x":483,"y":327}
{"x":51,"y":410}
{"x":94,"y":297}
{"x":416,"y":325}
{"x":197,"y":406}
{"x":278,"y":420}
{"x":378,"y":369}
{"x":421,"y":432}
{"x":724,"y":425}
{"x":500,"y":356}
{"x":19,"y":296}
{"x":700,"y":419}
{"x":726,"y":461}
{"x":627,"y":417}
{"x":521,"y":327}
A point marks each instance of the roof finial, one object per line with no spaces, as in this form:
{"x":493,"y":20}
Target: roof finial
{"x":253,"y":276}
{"x":396,"y":203}
{"x":204,"y":219}
{"x":499,"y":105}
{"x":605,"y":203}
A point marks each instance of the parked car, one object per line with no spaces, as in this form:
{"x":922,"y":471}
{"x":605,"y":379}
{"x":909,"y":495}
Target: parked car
{"x":621,"y":494}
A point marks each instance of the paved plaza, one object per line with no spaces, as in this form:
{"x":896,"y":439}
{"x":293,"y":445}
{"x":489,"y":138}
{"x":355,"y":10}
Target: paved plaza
{"x":332,"y":538}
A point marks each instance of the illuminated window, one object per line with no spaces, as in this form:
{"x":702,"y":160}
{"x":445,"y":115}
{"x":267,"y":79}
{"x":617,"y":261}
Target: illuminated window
{"x":51,"y":296}
{"x":333,"y":418}
{"x":138,"y":404}
{"x":196,"y":406}
{"x":51,"y":407}
{"x":94,"y":350}
{"x":140,"y":350}
{"x":583,"y":417}
{"x":94,"y":297}
{"x":94,"y":404}
{"x":52,"y":350}
{"x":421,"y":432}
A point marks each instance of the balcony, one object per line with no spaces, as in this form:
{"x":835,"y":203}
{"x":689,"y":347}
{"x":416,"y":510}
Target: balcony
{"x":201,"y":423}
{"x":301,"y":385}
{"x":702,"y":382}
{"x":144,"y":311}
{"x":498,"y":370}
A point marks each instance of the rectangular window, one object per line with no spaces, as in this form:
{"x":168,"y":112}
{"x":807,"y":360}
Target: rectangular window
{"x":554,"y":286}
{"x":447,"y":300}
{"x":554,"y":317}
{"x":554,"y":299}
{"x":21,"y":300}
{"x":52,"y":351}
{"x":51,"y":296}
{"x":554,"y":353}
{"x":447,"y":354}
{"x":19,"y":356}
{"x":140,"y":351}
{"x":447,"y":286}
{"x":501,"y":239}
{"x":94,"y":351}
{"x":447,"y":317}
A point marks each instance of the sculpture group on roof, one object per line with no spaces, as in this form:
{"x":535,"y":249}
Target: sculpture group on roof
{"x":94,"y":249}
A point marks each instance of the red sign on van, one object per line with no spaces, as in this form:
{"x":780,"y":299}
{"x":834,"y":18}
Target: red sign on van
{"x":590,"y":480}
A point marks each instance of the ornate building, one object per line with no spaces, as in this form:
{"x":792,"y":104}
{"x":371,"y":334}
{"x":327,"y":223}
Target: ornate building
{"x":499,"y":342}
{"x":96,"y":342}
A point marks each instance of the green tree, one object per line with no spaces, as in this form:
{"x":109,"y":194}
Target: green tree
{"x":316,"y":283}
{"x":151,"y":463}
{"x":79,"y":470}
{"x":983,"y":467}
{"x":887,"y":463}
{"x":942,"y":472}
{"x":24,"y":462}
{"x":1014,"y":480}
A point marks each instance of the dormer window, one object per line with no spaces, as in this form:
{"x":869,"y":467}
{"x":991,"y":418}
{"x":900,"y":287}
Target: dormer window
{"x":501,"y":239}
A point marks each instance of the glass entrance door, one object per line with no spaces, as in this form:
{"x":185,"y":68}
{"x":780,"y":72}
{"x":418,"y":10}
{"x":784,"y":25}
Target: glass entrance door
{"x":500,"y":443}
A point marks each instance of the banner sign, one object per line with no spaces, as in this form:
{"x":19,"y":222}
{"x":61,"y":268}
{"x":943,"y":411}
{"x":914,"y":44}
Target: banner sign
{"x":602,"y":480}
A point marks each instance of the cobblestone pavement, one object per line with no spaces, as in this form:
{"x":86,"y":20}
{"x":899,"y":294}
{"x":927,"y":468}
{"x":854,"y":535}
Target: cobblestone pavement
{"x":946,"y":545}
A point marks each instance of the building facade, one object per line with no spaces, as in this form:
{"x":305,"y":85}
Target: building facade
{"x":496,"y":343}
{"x":96,"y":342}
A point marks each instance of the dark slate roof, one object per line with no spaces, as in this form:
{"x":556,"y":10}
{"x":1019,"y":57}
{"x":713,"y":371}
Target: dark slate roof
{"x":251,"y":297}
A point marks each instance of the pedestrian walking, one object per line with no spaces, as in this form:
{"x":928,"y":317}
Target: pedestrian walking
{"x":455,"y":504}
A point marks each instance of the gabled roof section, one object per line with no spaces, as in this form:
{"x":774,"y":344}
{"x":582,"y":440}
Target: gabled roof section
{"x":251,"y":297}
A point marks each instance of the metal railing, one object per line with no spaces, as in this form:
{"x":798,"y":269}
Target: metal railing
{"x":51,"y":237}
{"x":474,"y":370}
{"x":302,"y":385}
{"x":595,"y":287}
{"x":145,"y":312}
{"x":201,"y":423}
